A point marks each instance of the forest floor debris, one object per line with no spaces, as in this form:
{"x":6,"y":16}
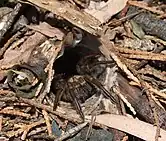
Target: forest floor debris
{"x":71,"y":70}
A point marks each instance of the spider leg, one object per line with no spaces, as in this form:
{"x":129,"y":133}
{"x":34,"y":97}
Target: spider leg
{"x":58,"y":96}
{"x":95,"y":82}
{"x":76,"y":104}
{"x":84,"y":91}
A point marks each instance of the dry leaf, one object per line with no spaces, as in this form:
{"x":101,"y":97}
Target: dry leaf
{"x":103,"y":11}
{"x":47,"y":30}
{"x":132,"y":126}
{"x":21,"y":54}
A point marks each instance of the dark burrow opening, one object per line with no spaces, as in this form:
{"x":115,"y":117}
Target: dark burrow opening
{"x":65,"y":69}
{"x":67,"y":63}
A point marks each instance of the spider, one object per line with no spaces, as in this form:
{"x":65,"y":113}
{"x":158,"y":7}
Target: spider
{"x":78,"y":77}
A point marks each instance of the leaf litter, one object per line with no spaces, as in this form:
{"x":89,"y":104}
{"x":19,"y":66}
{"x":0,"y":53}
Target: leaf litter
{"x":115,"y":78}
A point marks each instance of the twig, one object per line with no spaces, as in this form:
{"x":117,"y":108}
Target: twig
{"x":47,"y":120}
{"x":117,"y":91}
{"x":14,"y":112}
{"x":143,"y":62}
{"x":131,"y":51}
{"x":38,"y":130}
{"x":61,"y":112}
{"x":20,"y":104}
{"x":108,"y":50}
{"x":136,"y":52}
{"x":158,"y":57}
{"x":1,"y":119}
{"x":23,"y":129}
{"x":40,"y":86}
{"x":27,"y":128}
{"x":72,"y":132}
{"x":152,"y":71}
{"x":144,"y":5}
{"x":150,"y":88}
{"x":64,"y":113}
{"x":153,"y":81}
{"x":120,"y":21}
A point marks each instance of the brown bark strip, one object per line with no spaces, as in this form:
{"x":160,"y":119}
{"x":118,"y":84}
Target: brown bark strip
{"x":64,"y":10}
{"x":157,"y":57}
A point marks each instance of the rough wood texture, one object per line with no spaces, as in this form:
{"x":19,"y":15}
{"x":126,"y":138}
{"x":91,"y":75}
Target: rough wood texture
{"x":63,"y":9}
{"x":140,"y":102}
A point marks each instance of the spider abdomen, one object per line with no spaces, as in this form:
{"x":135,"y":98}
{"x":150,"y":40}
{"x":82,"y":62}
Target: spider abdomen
{"x":76,"y":85}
